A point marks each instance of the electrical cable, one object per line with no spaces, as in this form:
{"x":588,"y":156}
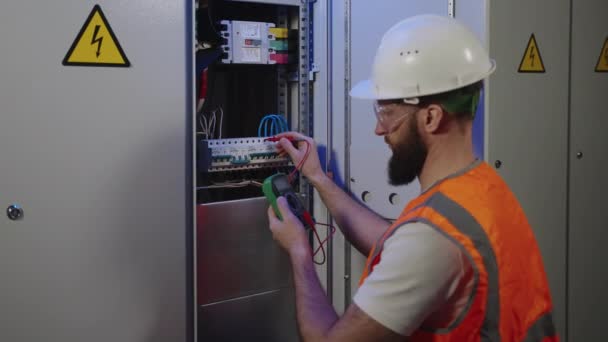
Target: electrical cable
{"x":204,"y":126}
{"x":222,"y":185}
{"x":299,"y":166}
{"x":212,"y":125}
{"x":260,"y":128}
{"x":221,"y":121}
{"x":329,"y":236}
{"x":311,"y":223}
{"x":277,"y":124}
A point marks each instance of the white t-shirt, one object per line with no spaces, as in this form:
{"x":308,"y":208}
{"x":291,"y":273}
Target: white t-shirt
{"x":423,"y":279}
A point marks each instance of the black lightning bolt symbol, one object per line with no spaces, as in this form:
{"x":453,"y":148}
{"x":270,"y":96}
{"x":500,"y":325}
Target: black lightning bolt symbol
{"x":532,"y":55}
{"x":97,"y":40}
{"x":606,"y":55}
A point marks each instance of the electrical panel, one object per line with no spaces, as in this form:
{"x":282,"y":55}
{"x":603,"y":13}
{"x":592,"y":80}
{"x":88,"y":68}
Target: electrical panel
{"x":222,"y":155}
{"x":248,"y":69}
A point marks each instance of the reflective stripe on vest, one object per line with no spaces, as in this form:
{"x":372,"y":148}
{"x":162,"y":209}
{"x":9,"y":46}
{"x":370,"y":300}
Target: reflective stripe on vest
{"x":541,"y":329}
{"x":462,"y":220}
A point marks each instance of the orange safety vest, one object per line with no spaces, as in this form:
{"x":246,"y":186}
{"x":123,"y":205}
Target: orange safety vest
{"x":510,"y":300}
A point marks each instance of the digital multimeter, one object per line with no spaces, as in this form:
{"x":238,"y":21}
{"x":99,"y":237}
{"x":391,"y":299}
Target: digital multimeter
{"x":278,"y":185}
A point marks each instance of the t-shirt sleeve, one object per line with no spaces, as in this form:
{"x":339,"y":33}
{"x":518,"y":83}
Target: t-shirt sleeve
{"x":420,"y":268}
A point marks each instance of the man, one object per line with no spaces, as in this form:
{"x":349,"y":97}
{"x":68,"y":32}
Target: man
{"x":461,"y":262}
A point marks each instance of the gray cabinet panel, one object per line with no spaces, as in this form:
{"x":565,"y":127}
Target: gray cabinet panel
{"x":528,"y":124}
{"x":97,"y":158}
{"x":588,"y":221}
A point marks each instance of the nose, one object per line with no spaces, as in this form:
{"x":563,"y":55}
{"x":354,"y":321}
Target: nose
{"x":380,"y":131}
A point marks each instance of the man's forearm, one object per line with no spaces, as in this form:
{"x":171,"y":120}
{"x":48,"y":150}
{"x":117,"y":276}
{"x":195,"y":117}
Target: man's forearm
{"x":315,"y":313}
{"x":361,"y":226}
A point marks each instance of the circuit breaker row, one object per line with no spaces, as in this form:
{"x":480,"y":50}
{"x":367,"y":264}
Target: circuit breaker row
{"x":220,"y":155}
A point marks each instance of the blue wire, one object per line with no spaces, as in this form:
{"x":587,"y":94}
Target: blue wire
{"x":260,"y":126}
{"x":263,"y":123}
{"x":278,"y":124}
{"x":281,"y":123}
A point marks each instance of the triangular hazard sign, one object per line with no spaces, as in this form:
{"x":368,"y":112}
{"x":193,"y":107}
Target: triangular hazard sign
{"x":602,"y":63}
{"x":532,"y":61}
{"x":96,"y":44}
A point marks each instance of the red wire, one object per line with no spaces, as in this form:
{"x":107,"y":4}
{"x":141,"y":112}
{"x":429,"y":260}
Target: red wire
{"x":310,"y":222}
{"x":331,"y":233}
{"x":299,"y":166}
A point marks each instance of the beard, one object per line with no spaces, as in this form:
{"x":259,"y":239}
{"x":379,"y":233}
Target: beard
{"x":408,"y":157}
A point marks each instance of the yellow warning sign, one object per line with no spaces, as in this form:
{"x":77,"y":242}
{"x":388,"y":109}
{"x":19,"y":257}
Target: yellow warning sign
{"x":96,"y":44}
{"x":532,"y":61}
{"x":602,"y":63}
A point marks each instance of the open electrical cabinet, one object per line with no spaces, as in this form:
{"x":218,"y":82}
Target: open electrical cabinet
{"x":252,"y":82}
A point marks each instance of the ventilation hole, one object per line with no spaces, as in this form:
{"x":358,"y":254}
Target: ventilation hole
{"x":366,"y":196}
{"x":394,"y":199}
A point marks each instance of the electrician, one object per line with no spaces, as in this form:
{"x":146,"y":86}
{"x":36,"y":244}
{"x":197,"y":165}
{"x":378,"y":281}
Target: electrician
{"x":461,"y":262}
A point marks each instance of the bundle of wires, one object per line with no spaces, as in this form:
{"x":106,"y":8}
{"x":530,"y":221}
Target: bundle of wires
{"x":209,"y":124}
{"x":277,"y":124}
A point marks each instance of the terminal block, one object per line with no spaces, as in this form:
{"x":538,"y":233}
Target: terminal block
{"x":220,"y":155}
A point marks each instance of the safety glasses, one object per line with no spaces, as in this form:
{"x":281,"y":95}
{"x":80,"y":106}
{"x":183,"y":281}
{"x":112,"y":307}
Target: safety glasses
{"x":391,"y":114}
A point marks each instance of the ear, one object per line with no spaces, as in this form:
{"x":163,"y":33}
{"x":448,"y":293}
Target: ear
{"x":432,"y":118}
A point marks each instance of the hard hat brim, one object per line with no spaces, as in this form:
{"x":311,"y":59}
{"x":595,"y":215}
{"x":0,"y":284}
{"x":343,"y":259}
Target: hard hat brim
{"x":365,"y":90}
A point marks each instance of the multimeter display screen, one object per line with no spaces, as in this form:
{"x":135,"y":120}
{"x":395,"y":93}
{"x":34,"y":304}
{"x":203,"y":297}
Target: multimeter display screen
{"x":281,"y":184}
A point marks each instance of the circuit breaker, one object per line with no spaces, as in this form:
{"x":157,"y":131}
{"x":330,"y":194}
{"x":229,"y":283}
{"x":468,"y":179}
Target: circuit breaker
{"x":247,"y":42}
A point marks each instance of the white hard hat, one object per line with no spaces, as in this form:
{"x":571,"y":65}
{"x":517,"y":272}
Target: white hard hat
{"x":425,"y":55}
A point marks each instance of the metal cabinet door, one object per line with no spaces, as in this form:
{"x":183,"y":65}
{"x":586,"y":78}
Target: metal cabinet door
{"x":368,"y":155}
{"x":588,"y":220}
{"x":527,"y":125}
{"x":99,"y":159}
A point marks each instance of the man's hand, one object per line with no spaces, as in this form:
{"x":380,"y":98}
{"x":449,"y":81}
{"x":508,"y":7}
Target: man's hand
{"x":289,"y":233}
{"x":312,"y":166}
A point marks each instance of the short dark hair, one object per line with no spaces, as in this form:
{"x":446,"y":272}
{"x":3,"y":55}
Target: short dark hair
{"x":460,"y":103}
